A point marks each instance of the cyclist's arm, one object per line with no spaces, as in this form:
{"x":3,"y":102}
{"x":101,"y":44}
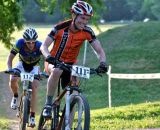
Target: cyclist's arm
{"x":10,"y":60}
{"x":98,"y":48}
{"x":45,"y":45}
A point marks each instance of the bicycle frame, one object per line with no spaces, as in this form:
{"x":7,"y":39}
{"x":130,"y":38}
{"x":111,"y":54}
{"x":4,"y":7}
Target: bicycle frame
{"x":75,"y":103}
{"x":66,"y":110}
{"x":25,"y":101}
{"x":27,"y":91}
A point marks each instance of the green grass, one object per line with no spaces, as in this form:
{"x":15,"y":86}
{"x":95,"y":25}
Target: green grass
{"x":4,"y":124}
{"x":133,"y":48}
{"x":145,"y":115}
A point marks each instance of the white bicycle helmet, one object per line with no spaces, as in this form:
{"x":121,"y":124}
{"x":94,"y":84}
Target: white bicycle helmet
{"x":81,"y":7}
{"x":30,"y":34}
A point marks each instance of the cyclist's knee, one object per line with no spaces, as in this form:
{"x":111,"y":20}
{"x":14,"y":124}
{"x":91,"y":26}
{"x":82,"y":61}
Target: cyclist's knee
{"x":56,"y":72}
{"x":35,"y":84}
{"x":13,"y":81}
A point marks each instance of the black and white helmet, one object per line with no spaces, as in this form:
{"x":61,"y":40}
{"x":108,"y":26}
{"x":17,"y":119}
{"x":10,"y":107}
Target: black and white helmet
{"x":81,"y":7}
{"x":30,"y":34}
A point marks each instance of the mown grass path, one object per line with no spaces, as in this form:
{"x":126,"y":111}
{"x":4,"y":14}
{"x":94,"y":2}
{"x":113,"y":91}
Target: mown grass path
{"x":6,"y":96}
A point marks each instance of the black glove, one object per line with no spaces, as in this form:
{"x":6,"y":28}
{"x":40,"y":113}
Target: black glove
{"x":51,"y":60}
{"x":14,"y":71}
{"x":102,"y":68}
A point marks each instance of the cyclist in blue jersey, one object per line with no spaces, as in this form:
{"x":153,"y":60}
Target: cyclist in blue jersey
{"x":29,"y":56}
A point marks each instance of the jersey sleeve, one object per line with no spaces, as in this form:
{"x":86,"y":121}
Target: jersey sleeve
{"x":38,"y":45}
{"x":53,"y":33}
{"x":16,"y":47}
{"x":58,"y":27}
{"x":90,"y":35}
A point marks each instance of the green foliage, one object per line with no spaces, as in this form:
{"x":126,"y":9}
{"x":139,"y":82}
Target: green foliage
{"x":145,"y":8}
{"x":11,"y":19}
{"x":66,"y":5}
{"x":156,"y":9}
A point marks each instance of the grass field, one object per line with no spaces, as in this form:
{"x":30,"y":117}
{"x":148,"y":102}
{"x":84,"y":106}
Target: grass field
{"x":133,"y":48}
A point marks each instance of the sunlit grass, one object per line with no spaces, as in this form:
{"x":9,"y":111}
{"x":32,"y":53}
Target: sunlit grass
{"x":145,"y":115}
{"x":4,"y":124}
{"x":3,"y":58}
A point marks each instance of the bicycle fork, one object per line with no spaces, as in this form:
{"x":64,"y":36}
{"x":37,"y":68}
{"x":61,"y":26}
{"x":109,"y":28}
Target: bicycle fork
{"x":67,"y":111}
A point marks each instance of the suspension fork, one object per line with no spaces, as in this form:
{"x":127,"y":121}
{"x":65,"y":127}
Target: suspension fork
{"x":29,"y":91}
{"x":67,"y":110}
{"x":69,"y":98}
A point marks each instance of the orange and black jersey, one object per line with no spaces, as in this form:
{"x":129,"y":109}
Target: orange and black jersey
{"x":66,"y":43}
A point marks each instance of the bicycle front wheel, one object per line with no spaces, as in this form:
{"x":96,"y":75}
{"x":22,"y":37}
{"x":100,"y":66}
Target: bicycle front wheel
{"x":79,"y":114}
{"x":24,"y":113}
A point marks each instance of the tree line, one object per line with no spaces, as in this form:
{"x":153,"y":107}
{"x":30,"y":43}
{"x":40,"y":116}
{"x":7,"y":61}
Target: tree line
{"x":14,"y":13}
{"x":112,"y":10}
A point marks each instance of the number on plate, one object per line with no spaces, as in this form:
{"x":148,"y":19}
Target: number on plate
{"x":27,"y":76}
{"x":81,"y":71}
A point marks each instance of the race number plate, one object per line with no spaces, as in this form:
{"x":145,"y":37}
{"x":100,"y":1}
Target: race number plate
{"x":81,"y":71}
{"x":27,"y":76}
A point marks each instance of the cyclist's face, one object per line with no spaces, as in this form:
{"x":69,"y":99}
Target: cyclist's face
{"x":81,"y":21}
{"x":30,"y":45}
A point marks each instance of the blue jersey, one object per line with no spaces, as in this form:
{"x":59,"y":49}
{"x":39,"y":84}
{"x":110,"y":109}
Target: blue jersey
{"x":25,"y":55}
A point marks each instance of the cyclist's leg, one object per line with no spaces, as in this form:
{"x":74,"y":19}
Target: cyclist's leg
{"x":35,"y":84}
{"x":65,"y":79}
{"x":13,"y":84}
{"x":53,"y":79}
{"x":52,"y":84}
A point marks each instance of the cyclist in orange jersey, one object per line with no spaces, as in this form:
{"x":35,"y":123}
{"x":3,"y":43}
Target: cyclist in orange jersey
{"x":68,"y":38}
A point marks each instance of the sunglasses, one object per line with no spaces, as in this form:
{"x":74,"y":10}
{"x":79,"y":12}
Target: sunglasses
{"x":30,"y":42}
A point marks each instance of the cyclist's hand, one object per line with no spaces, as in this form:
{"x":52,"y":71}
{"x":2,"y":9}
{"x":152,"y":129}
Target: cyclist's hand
{"x":102,"y":68}
{"x":51,"y":60}
{"x":13,"y":71}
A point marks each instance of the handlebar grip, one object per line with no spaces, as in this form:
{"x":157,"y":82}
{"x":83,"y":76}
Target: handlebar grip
{"x":6,"y":71}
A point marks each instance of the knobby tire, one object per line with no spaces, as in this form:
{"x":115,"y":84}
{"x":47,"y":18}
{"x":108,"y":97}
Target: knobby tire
{"x":24,"y":113}
{"x":86,"y":113}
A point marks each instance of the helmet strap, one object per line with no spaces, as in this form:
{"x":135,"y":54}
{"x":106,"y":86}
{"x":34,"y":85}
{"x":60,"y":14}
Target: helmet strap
{"x":74,"y":23}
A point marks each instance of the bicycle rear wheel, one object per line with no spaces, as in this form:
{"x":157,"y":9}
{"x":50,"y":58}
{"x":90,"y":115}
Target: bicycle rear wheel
{"x":80,"y":114}
{"x":24,"y":113}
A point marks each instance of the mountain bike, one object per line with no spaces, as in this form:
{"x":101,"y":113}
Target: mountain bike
{"x":75,"y":114}
{"x":23,"y":110}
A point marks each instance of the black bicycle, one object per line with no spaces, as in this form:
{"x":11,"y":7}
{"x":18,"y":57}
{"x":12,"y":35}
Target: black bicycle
{"x":75,"y":114}
{"x":24,"y":104}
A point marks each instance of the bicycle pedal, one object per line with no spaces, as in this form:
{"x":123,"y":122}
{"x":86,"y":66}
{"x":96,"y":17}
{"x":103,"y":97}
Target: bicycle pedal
{"x":32,"y":126}
{"x":48,"y":118}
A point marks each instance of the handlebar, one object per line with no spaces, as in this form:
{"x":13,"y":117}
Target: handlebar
{"x":39,"y":76}
{"x":68,"y":68}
